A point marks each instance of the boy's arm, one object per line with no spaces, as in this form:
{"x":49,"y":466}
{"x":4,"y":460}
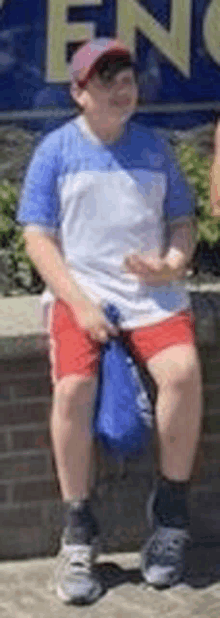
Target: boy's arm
{"x":45,"y":255}
{"x":48,"y":260}
{"x":215,"y":176}
{"x":215,"y":187}
{"x":179,"y":212}
{"x":182,"y":246}
{"x":173,"y":265}
{"x":39,"y":208}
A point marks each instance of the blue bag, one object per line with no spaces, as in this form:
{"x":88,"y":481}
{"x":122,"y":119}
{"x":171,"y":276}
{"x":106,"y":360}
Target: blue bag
{"x":123,"y":416}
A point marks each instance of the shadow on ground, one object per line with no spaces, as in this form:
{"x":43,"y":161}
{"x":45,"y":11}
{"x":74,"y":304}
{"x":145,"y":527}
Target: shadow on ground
{"x":202,"y":568}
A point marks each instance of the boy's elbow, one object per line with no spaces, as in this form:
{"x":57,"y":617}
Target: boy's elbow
{"x":31,"y":239}
{"x":27,"y":236}
{"x":33,"y":232}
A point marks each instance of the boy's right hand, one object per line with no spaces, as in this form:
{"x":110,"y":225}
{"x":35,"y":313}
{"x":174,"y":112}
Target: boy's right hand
{"x":91,"y":318}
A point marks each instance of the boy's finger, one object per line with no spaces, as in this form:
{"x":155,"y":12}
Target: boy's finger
{"x":113,"y":330}
{"x":135,"y":259}
{"x":99,"y":335}
{"x":130,"y":258}
{"x":103,"y":336}
{"x":144,"y":263}
{"x":134,"y":262}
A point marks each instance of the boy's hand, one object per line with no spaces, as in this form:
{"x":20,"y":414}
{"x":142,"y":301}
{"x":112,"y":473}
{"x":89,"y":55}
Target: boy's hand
{"x":91,"y":318}
{"x":153,"y":271}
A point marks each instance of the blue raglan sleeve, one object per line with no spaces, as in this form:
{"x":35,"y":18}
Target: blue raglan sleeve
{"x":39,"y":202}
{"x":179,"y":205}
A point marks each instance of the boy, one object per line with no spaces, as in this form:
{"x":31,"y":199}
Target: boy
{"x":94,"y":205}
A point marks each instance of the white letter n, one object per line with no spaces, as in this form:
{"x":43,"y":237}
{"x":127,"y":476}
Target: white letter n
{"x":174,"y":44}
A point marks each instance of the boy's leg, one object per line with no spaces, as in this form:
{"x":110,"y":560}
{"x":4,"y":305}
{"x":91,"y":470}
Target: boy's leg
{"x":72,"y":442}
{"x":176,"y":371}
{"x":71,"y":420}
{"x":174,"y":365}
{"x":74,"y":368}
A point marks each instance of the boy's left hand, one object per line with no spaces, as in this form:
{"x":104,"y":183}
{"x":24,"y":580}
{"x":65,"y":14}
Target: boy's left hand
{"x":153,"y":271}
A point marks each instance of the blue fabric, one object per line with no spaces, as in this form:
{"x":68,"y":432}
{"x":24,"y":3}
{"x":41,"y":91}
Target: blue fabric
{"x":102,"y":202}
{"x":123,"y":416}
{"x":39,"y":200}
{"x":65,"y":151}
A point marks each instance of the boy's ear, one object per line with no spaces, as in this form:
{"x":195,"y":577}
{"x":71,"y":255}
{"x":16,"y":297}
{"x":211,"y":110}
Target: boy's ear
{"x":78,"y":94}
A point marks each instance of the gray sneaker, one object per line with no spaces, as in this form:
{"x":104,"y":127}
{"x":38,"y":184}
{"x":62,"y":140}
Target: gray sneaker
{"x":75,"y":581}
{"x":163,"y":557}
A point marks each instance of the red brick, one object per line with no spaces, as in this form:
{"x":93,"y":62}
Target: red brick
{"x":3,"y":447}
{"x":211,"y":372}
{"x":211,"y":451}
{"x":210,"y":353}
{"x":23,"y":543}
{"x":212,"y":424}
{"x":39,"y":387}
{"x":5,"y":393}
{"x":17,"y":466}
{"x":3,"y":493}
{"x":37,"y":364}
{"x":35,"y":490}
{"x":25,"y":516}
{"x":38,"y":438}
{"x":211,"y":400}
{"x":209,"y":501}
{"x":22,"y":413}
{"x":210,"y":474}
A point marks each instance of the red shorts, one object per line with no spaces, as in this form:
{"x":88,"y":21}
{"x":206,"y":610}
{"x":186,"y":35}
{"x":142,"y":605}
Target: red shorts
{"x":73,"y":351}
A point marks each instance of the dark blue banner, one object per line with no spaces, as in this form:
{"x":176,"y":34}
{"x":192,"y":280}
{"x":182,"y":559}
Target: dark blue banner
{"x":176,"y":42}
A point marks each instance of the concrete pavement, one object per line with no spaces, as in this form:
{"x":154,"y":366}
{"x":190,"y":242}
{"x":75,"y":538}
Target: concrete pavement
{"x":26,"y":589}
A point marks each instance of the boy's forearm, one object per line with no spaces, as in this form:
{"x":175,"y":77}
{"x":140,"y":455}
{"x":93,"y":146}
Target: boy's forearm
{"x":215,"y":187}
{"x":48,"y":260}
{"x":215,"y":176}
{"x":182,"y":246}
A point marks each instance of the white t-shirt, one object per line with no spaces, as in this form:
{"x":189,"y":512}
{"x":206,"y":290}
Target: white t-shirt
{"x":102,"y":202}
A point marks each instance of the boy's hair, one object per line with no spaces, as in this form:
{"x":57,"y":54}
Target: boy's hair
{"x":108,"y":66}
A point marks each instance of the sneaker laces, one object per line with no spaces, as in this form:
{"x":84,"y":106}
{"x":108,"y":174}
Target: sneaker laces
{"x":81,"y":557}
{"x":74,"y":579}
{"x":169,"y":542}
{"x":76,"y":558}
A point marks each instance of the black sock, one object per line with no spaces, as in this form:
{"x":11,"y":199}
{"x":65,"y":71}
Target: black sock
{"x":80,"y":525}
{"x":170,"y":505}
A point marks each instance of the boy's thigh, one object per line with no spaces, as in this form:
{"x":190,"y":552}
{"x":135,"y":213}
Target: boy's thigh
{"x":168,"y":349}
{"x":176,"y":366}
{"x":72,"y":351}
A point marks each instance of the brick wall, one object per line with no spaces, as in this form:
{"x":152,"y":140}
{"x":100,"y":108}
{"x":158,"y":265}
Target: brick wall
{"x":26,"y":473}
{"x":29,"y":492}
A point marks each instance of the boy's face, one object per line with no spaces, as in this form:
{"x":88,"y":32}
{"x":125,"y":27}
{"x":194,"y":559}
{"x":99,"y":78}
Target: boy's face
{"x":111,"y":102}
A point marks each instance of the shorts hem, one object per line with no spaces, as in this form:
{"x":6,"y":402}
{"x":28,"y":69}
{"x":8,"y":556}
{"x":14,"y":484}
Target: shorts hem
{"x":132,"y":326}
{"x":171,"y":345}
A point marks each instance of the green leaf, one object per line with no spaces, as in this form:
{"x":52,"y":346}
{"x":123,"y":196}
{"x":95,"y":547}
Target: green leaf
{"x":196,"y":169}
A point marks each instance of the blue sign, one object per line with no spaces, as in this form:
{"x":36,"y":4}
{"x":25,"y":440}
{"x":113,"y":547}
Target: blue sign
{"x":176,"y":42}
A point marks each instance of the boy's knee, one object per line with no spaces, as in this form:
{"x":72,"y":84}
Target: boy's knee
{"x":180,"y":367}
{"x":187,"y":371}
{"x":75,"y":385}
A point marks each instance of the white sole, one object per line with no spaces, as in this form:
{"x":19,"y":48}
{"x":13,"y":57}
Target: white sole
{"x":68,"y":600}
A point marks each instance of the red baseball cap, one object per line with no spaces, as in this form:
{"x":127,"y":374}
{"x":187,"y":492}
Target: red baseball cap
{"x":83,"y":63}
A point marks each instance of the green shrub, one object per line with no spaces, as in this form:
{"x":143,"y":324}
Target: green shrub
{"x":21,"y":274}
{"x":196,"y":169}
